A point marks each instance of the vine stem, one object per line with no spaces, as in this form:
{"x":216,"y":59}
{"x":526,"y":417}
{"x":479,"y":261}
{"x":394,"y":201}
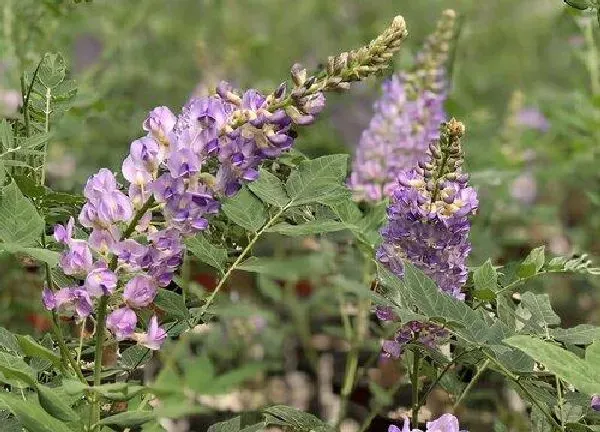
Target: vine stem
{"x":241,"y":258}
{"x":560,"y":404}
{"x":414,"y":379}
{"x":471,"y":384}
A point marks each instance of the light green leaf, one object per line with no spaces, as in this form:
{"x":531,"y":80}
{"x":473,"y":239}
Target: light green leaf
{"x":245,"y":210}
{"x":485,"y":279}
{"x":13,"y":367}
{"x":582,"y":334}
{"x":559,"y":361}
{"x":33,"y":349}
{"x":318,"y":180}
{"x":533,"y":263}
{"x":128,"y":418}
{"x":309,"y":228}
{"x":20,"y":223}
{"x":35,"y":141}
{"x":172,"y":303}
{"x":199,"y":374}
{"x":592,"y":356}
{"x":269,"y":189}
{"x":31,"y":415}
{"x":52,"y":70}
{"x":54,"y":403}
{"x":8,"y":342}
{"x":247,"y":422}
{"x":208,"y":253}
{"x":540,"y":308}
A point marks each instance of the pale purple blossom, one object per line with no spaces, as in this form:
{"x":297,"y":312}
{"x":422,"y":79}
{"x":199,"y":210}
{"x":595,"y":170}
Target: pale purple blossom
{"x":532,"y":118}
{"x":154,"y":336}
{"x":121,"y":322}
{"x":444,"y":423}
{"x":139,"y":291}
{"x":595,"y":402}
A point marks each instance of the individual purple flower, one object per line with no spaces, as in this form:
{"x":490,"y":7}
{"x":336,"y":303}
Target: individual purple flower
{"x":444,"y":423}
{"x":595,"y":402}
{"x":160,"y":123}
{"x":122,"y":322}
{"x":139,"y":291}
{"x":154,"y":336}
{"x":182,"y":163}
{"x":101,"y":280}
{"x":147,"y":152}
{"x":135,"y":173}
{"x":100,"y":183}
{"x":77,"y":259}
{"x":532,"y":118}
{"x":428,"y":226}
{"x":69,"y":300}
{"x":103,"y":241}
{"x":64,"y":233}
{"x":130,"y":253}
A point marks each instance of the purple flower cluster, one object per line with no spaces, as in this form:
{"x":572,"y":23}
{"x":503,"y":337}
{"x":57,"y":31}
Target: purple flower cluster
{"x":445,"y":423}
{"x":396,"y":139}
{"x":176,"y":174}
{"x":405,"y":119}
{"x":428,"y":226}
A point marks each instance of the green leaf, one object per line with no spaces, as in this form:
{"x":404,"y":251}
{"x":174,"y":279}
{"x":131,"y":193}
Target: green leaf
{"x":54,"y":403}
{"x":32,"y":349}
{"x":31,"y":415}
{"x":36,"y":140}
{"x":416,"y":291}
{"x":559,"y":361}
{"x":224,"y":383}
{"x":13,"y":367}
{"x":208,"y":253}
{"x":297,"y":420}
{"x":8,"y":342}
{"x":592,"y":355}
{"x":533,"y":263}
{"x":318,"y":180}
{"x":309,"y":228}
{"x":247,"y":422}
{"x":540,"y":308}
{"x":20,"y":223}
{"x":485,"y":279}
{"x":582,"y":334}
{"x":245,"y":210}
{"x":128,"y":418}
{"x":52,"y":70}
{"x":134,"y":356}
{"x":172,"y":303}
{"x":269,"y":189}
{"x":43,"y":255}
{"x":199,"y":374}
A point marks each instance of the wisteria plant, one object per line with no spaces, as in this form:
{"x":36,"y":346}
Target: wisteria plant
{"x":388,"y":244}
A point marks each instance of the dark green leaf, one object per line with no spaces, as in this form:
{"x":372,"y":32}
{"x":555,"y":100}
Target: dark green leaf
{"x":54,"y":403}
{"x":20,"y":223}
{"x":318,"y":180}
{"x":128,"y":418}
{"x":309,"y":228}
{"x":297,"y":420}
{"x":172,"y":303}
{"x":533,"y":263}
{"x":31,"y":415}
{"x":135,"y":356}
{"x":485,"y":279}
{"x":8,"y":342}
{"x":540,"y":308}
{"x":32,"y":349}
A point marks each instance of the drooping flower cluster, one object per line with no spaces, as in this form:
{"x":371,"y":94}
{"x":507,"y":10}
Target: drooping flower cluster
{"x":176,"y":175}
{"x":428,"y":226}
{"x":445,"y":423}
{"x":405,"y":119}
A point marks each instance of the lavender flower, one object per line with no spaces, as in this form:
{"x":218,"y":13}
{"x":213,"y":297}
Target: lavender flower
{"x":154,"y":337}
{"x":428,"y":225}
{"x":122,"y":322}
{"x":532,"y":118}
{"x":405,"y":119}
{"x":445,"y":423}
{"x":595,"y":403}
{"x":177,"y":174}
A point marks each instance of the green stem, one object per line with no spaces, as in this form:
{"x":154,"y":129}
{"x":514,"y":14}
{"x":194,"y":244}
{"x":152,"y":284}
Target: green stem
{"x":471,"y":384}
{"x":560,"y":404}
{"x":360,"y":330}
{"x":239,"y":259}
{"x":415,"y":386}
{"x":592,"y":58}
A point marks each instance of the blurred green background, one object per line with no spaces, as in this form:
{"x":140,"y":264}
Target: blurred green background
{"x":129,"y":56}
